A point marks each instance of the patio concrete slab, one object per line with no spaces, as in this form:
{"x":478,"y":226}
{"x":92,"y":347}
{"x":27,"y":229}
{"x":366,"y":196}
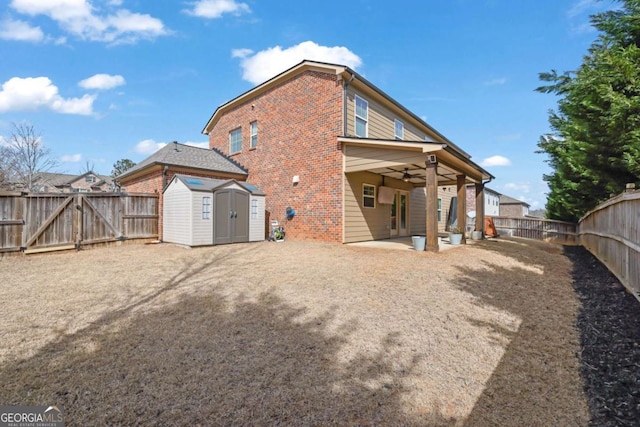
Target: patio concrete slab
{"x":404,"y":243}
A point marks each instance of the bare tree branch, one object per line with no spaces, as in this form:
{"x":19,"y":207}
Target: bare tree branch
{"x":27,"y":155}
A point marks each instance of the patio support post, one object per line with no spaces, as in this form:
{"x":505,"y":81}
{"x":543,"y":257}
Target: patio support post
{"x":462,"y":206}
{"x":480,"y":207}
{"x":432,"y":207}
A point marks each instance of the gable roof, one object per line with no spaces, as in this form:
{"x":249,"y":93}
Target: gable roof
{"x":198,"y":183}
{"x":65,"y":179}
{"x":345,"y":73}
{"x":175,"y":154}
{"x":506,"y":200}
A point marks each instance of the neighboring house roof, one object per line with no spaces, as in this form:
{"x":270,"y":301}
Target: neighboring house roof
{"x":197,"y":183}
{"x":506,"y":200}
{"x":175,"y":154}
{"x":61,"y":180}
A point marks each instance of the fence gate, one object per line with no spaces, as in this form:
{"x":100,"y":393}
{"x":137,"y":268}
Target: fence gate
{"x":38,"y":222}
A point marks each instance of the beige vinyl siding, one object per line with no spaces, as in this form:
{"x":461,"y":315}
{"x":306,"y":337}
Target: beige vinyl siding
{"x":381,"y":120}
{"x":176,"y":214}
{"x":360,"y":223}
{"x":201,"y":229}
{"x":445,"y":193}
{"x":418,"y":211}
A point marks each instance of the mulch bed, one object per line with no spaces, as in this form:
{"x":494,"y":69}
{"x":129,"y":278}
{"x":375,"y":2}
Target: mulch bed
{"x":609,"y":324}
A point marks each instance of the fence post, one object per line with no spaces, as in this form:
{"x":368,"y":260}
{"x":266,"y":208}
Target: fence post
{"x":78,"y":213}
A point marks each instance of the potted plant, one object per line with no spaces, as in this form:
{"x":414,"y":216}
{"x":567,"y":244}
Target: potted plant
{"x":455,"y":235}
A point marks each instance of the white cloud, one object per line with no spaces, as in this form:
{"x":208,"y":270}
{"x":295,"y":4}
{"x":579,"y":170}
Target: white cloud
{"x":33,"y":93}
{"x":496,"y":161}
{"x":580,"y":12}
{"x":265,"y":64}
{"x":148,"y":146}
{"x":581,"y":7}
{"x":198,"y":144}
{"x":102,"y":82}
{"x":20,"y":31}
{"x":241,"y":53}
{"x":521,"y":187}
{"x":216,"y":8}
{"x":71,"y":158}
{"x":496,"y":82}
{"x":78,"y":17}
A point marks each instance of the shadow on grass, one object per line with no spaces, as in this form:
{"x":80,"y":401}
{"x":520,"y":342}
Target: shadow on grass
{"x":537,"y":380}
{"x":207,"y":361}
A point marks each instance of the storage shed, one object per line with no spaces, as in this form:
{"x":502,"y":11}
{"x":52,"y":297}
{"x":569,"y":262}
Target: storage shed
{"x":201,"y":211}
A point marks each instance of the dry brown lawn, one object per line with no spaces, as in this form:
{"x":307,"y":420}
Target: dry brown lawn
{"x":294,"y":333}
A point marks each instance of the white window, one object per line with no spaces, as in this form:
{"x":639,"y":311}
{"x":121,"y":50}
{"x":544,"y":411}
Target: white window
{"x":90,"y":178}
{"x":439,"y":210}
{"x":362,"y":117}
{"x":254,"y":209}
{"x":368,"y":196}
{"x":206,"y":207}
{"x":399,"y":129}
{"x":235,"y":141}
{"x":254,"y":134}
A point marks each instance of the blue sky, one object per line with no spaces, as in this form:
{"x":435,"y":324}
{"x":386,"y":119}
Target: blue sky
{"x":103,"y":80}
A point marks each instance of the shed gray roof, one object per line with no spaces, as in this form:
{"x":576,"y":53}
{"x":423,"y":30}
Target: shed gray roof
{"x":198,"y":183}
{"x":175,"y":154}
{"x":506,"y":200}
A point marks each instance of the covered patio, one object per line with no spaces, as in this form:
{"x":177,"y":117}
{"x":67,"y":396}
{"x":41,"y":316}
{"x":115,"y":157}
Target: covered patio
{"x":375,"y":169}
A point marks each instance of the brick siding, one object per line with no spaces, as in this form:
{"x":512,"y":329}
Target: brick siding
{"x":298,"y":123}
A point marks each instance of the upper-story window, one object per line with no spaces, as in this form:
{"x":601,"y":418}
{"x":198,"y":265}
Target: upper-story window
{"x":399,"y":129}
{"x":235,"y":141}
{"x":362,"y":117}
{"x":90,"y":178}
{"x":254,"y":134}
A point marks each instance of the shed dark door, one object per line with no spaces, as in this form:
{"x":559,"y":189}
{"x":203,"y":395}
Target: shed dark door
{"x":231,"y":217}
{"x":241,"y":217}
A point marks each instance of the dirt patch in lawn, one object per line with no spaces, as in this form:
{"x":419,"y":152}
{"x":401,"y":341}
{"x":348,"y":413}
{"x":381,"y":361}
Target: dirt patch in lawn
{"x":294,"y":333}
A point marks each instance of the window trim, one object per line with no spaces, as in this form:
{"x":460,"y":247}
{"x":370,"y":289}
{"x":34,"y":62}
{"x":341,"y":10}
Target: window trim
{"x":395,"y":129}
{"x":356,"y":117}
{"x":254,"y":208}
{"x":239,"y":130}
{"x":368,"y":196}
{"x":206,"y":213}
{"x":253,"y":126}
{"x":439,"y":209}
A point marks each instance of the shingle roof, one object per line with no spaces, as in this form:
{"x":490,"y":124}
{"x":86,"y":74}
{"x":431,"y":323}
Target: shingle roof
{"x":506,"y":200}
{"x":175,"y":154}
{"x":60,"y":179}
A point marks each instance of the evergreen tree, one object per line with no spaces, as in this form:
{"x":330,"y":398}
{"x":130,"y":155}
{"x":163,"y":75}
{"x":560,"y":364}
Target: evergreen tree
{"x":595,"y":146}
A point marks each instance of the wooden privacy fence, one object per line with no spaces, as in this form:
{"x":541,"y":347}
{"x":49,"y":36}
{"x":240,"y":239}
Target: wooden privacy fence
{"x":611,"y":232}
{"x":537,"y":228}
{"x":38,"y":222}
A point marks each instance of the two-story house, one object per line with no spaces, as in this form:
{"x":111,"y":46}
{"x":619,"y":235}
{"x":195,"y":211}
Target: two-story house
{"x":352,"y":162}
{"x":47,"y":182}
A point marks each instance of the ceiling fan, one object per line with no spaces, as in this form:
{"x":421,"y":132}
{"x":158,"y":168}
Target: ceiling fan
{"x":406,"y":177}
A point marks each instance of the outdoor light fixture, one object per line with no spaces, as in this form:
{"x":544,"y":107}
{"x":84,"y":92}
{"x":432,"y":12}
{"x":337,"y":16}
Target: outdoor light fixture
{"x":406,"y":177}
